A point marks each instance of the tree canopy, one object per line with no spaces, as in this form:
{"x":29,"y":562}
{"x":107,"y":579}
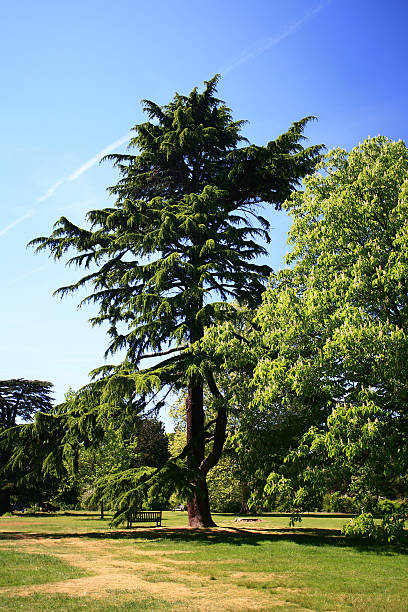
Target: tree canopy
{"x":334,"y":328}
{"x":181,"y":242}
{"x":20,"y":400}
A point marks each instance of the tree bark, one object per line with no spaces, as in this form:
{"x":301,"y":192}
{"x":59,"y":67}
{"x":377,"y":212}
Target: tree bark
{"x":244,"y":499}
{"x":199,"y":514}
{"x":5,"y":504}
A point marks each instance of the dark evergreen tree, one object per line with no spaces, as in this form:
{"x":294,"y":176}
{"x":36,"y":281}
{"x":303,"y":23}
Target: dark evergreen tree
{"x":20,"y":399}
{"x":178,"y":244}
{"x":152,"y":444}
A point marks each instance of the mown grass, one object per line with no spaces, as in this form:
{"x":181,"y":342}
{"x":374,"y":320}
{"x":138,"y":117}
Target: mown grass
{"x":311,"y":571}
{"x":18,"y":568}
{"x":256,"y":566}
{"x":55,"y":603}
{"x":80,"y":522}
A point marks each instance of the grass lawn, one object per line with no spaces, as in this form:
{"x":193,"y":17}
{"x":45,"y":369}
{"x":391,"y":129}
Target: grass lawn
{"x":76,"y":562}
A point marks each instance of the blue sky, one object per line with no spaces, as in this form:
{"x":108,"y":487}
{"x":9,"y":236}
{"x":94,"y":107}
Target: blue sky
{"x":73,"y":75}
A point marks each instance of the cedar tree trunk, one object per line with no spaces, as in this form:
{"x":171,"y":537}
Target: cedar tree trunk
{"x":199,"y":514}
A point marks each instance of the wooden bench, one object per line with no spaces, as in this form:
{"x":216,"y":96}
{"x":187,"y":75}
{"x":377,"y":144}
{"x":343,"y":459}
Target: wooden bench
{"x":145,"y":516}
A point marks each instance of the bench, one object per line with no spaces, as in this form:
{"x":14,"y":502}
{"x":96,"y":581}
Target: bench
{"x":145,"y":516}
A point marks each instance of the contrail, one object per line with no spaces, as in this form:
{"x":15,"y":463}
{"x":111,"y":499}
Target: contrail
{"x":10,"y":226}
{"x":272,"y":42}
{"x":72,"y":177}
{"x":51,"y":190}
{"x":86,"y":166}
{"x":249,"y":55}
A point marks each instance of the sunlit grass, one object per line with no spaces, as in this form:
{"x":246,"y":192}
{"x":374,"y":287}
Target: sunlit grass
{"x":19,"y":568}
{"x":238,"y":566}
{"x":80,"y":522}
{"x":121,"y":602}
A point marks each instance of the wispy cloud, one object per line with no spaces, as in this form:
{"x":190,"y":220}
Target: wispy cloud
{"x":71,"y":177}
{"x":86,"y":166}
{"x":10,"y":226}
{"x":275,"y":40}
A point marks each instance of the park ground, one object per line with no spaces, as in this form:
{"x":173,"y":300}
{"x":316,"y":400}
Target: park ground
{"x":75,"y":562}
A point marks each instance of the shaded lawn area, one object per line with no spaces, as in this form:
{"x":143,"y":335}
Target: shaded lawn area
{"x":256,"y":566}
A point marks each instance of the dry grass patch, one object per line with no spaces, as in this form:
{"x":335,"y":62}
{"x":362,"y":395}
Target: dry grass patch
{"x":163,"y":579}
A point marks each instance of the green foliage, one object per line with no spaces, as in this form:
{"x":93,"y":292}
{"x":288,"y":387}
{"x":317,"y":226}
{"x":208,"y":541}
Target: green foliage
{"x":335,"y":332}
{"x":390,"y":529}
{"x":336,"y":502}
{"x":151,"y":446}
{"x":146,"y":446}
{"x":84,"y":445}
{"x":177,"y":443}
{"x":121,"y":491}
{"x":180,"y":233}
{"x":258,"y":438}
{"x":20,"y":400}
{"x":129,"y":490}
{"x":224,"y":486}
{"x":113,"y":471}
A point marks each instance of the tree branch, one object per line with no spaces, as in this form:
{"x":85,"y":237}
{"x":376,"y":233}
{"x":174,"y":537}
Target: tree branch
{"x":220,"y":427}
{"x":161,"y":353}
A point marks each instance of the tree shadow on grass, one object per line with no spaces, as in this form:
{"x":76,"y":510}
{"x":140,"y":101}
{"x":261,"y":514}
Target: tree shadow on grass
{"x":236,"y":536}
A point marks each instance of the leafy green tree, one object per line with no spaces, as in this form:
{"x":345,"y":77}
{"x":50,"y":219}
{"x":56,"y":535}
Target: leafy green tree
{"x":183,"y":235}
{"x":224,"y":485}
{"x":48,"y":449}
{"x":99,"y":463}
{"x":335,"y":330}
{"x":259,"y":435}
{"x":20,"y":399}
